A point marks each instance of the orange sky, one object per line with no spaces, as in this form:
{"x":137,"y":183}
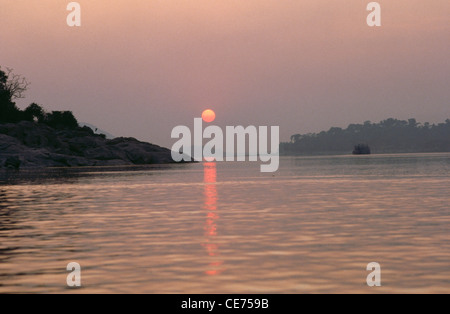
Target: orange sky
{"x":140,"y":67}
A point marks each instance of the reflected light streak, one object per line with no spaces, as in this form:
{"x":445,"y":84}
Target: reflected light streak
{"x":210,"y":206}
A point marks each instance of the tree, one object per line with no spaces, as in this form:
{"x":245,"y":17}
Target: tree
{"x":412,"y":123}
{"x":34,"y":112}
{"x":295,"y":138}
{"x":12,"y":87}
{"x":5,"y":98}
{"x":61,"y":120}
{"x":3,"y":78}
{"x":388,"y":136}
{"x":335,"y":131}
{"x":14,"y":84}
{"x":389,"y":123}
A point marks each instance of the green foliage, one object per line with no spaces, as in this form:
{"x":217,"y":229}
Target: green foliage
{"x":388,"y":136}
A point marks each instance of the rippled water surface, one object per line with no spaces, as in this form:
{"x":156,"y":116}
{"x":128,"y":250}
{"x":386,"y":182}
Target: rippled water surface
{"x":227,"y":228}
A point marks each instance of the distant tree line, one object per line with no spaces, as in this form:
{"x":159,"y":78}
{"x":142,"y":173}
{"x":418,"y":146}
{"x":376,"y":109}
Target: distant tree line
{"x":13,"y":87}
{"x":388,"y":136}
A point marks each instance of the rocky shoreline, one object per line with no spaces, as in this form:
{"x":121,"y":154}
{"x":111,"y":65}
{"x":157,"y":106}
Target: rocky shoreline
{"x":35,"y":145}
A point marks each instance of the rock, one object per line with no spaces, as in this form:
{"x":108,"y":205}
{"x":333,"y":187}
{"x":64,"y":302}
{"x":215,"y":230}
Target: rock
{"x":30,"y":145}
{"x":12,"y":163}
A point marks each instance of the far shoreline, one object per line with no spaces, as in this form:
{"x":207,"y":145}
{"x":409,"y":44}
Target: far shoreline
{"x":361,"y":156}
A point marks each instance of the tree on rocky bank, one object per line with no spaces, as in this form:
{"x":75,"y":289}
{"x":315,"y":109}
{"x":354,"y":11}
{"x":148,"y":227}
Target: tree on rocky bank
{"x":14,"y":86}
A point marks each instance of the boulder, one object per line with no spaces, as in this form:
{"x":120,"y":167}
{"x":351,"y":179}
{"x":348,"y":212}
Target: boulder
{"x":12,"y":162}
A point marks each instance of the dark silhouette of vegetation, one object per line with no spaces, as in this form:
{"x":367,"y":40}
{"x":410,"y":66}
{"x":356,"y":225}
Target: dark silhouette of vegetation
{"x":14,"y":84}
{"x":12,"y":87}
{"x":34,"y":112}
{"x":61,"y":120}
{"x":388,"y":136}
{"x":33,"y":138}
{"x":362,"y":149}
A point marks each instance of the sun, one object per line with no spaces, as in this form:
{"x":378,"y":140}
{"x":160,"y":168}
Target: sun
{"x":208,"y":116}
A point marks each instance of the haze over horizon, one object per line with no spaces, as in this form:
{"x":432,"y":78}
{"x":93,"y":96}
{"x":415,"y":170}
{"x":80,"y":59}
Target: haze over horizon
{"x":140,"y":68}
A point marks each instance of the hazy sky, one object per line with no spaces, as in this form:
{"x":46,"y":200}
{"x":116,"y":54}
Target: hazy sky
{"x":140,"y":67}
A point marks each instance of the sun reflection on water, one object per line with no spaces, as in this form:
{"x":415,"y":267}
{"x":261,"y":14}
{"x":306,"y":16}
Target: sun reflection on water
{"x":212,"y":217}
